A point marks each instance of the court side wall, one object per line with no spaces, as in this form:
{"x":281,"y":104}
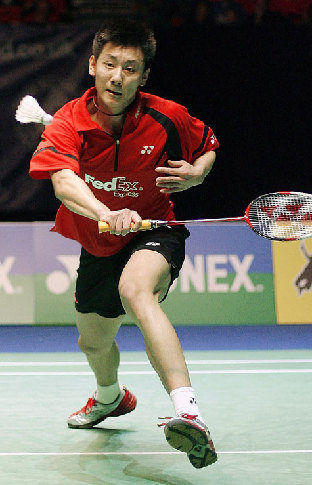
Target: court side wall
{"x":230,"y":276}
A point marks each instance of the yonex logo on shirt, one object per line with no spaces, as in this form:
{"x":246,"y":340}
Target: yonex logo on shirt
{"x":147,"y":149}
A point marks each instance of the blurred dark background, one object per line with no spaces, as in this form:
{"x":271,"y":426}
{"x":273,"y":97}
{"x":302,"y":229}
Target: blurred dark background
{"x":242,"y":66}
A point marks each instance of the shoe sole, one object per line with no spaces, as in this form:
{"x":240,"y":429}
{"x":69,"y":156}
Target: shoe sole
{"x":114,"y":414}
{"x":191,"y":440}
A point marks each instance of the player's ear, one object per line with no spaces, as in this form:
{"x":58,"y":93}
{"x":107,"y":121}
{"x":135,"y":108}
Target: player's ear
{"x":145,"y":77}
{"x":92,"y":64}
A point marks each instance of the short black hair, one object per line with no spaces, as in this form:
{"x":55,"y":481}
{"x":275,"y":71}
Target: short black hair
{"x":126,"y":32}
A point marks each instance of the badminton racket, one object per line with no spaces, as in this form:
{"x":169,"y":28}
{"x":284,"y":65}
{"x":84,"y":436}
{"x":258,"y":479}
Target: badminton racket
{"x":280,"y":216}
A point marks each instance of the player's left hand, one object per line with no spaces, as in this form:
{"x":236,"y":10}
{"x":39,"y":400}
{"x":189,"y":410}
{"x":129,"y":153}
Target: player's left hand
{"x":180,"y":176}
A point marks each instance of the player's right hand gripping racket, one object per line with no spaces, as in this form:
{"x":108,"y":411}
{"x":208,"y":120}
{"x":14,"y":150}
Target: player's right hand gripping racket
{"x":281,"y":216}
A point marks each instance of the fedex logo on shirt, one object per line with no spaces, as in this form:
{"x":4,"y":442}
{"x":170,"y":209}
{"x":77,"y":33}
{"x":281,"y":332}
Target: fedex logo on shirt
{"x":119,"y":185}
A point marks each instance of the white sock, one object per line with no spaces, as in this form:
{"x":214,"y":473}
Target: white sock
{"x":107,"y":394}
{"x":184,"y":401}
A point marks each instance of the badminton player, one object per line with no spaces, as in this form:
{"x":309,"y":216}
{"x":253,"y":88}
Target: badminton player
{"x":116,"y":154}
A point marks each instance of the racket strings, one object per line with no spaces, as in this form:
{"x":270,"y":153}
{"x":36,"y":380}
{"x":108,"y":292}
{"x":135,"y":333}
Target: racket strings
{"x":282,"y":216}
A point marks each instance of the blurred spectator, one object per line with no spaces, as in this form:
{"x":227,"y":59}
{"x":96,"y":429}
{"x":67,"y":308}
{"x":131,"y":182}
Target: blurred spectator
{"x":256,"y":10}
{"x":228,"y":12}
{"x":181,"y":10}
{"x":34,"y":11}
{"x":10,"y":11}
{"x":203,"y":15}
{"x":165,"y":13}
{"x":260,"y":8}
{"x":42,"y":11}
{"x":294,"y":10}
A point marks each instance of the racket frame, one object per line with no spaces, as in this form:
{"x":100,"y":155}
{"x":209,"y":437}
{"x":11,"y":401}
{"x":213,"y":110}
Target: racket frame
{"x":148,"y":224}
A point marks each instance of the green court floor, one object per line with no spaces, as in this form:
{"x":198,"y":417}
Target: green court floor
{"x":257,"y":404}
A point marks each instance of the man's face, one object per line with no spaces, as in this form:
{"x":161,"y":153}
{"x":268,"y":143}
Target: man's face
{"x":118,"y":72}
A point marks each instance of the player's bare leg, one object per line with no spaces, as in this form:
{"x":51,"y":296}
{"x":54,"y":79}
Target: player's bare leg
{"x":145,"y":277}
{"x":97,"y":341}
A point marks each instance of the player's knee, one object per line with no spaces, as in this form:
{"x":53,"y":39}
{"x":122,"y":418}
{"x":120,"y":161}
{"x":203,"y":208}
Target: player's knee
{"x":93,"y":347}
{"x":87,"y":348}
{"x":130,"y":294}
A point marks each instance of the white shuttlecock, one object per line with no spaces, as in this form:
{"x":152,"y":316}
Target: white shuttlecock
{"x":30,"y":111}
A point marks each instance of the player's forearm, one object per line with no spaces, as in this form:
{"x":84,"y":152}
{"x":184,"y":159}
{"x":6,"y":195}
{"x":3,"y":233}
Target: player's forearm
{"x":204,"y":164}
{"x":91,"y":211}
{"x":72,"y":191}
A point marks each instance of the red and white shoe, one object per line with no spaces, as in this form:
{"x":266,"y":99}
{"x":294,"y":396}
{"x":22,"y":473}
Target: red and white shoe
{"x":190,"y":435}
{"x":94,"y":412}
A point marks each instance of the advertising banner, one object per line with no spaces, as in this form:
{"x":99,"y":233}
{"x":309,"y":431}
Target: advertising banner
{"x":293,"y":281}
{"x":55,"y":272}
{"x":16,"y":270}
{"x":226,"y":277}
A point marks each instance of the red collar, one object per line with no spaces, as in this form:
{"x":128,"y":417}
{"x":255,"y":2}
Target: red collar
{"x":83,"y":122}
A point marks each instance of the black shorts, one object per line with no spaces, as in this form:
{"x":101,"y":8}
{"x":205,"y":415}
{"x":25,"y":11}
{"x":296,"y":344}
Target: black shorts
{"x":98,"y":277}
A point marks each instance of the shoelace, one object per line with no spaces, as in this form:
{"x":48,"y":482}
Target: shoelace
{"x":191,"y":417}
{"x":91,"y":403}
{"x":88,"y":407}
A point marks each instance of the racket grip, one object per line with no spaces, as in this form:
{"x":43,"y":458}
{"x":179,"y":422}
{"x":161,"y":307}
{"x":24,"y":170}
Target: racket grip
{"x":145,"y":226}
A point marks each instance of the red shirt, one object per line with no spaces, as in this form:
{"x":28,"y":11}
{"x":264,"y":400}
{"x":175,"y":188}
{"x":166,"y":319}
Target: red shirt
{"x":121,"y":173}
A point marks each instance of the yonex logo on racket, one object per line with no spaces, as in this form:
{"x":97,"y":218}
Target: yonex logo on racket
{"x":147,"y":149}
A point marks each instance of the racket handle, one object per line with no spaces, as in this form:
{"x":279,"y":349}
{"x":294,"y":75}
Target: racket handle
{"x":145,"y":226}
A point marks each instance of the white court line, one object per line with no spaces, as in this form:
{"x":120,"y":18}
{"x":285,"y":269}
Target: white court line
{"x":143,"y":362}
{"x":249,"y":361}
{"x":151,"y":372}
{"x":130,"y":453}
